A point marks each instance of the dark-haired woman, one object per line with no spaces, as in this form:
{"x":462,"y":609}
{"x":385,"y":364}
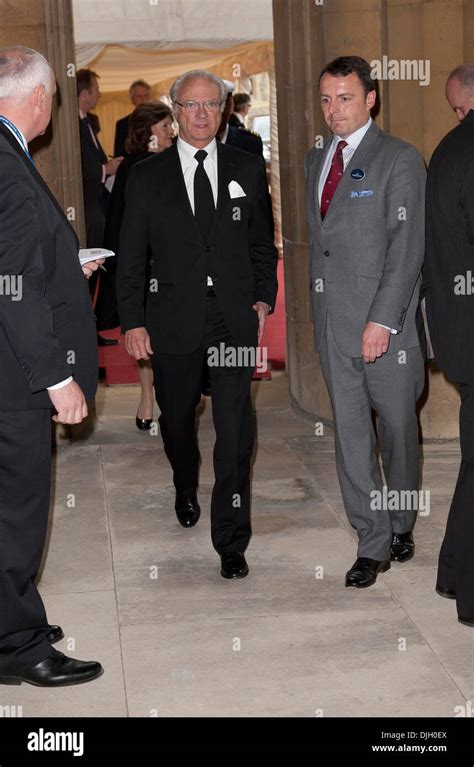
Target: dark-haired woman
{"x":150,"y":130}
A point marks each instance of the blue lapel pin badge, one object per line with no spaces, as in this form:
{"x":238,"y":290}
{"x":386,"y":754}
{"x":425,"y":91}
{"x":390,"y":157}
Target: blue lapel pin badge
{"x":358,"y":174}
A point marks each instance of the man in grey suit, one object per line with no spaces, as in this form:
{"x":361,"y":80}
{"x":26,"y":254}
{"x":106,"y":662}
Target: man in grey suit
{"x":365,"y":201}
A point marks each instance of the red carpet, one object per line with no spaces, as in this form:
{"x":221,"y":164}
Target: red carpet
{"x":120,"y":368}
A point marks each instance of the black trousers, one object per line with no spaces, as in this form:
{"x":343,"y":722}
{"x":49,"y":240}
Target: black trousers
{"x":178,"y":391}
{"x":25,"y":477}
{"x":456,"y":559}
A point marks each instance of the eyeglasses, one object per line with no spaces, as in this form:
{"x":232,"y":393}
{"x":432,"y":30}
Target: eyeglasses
{"x":193,"y":106}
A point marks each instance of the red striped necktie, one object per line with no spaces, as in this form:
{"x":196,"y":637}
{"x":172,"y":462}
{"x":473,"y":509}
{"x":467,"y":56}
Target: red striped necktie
{"x":334,"y":176}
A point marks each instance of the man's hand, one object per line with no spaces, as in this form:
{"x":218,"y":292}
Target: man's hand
{"x":92,"y":266}
{"x":262,"y":309}
{"x":137,"y":343}
{"x":69,"y":402}
{"x":375,"y":342}
{"x":112,"y":165}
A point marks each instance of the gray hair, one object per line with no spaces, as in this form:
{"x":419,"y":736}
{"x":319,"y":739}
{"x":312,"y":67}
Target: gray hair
{"x":21,"y":70}
{"x":195,"y":74}
{"x":465,"y":75}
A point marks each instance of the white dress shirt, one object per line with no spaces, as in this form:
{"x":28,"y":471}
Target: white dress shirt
{"x":353,"y":142}
{"x":24,"y":146}
{"x":189,"y":164}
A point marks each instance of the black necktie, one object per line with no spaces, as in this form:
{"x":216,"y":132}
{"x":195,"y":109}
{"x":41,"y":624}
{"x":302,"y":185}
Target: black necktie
{"x":204,"y":208}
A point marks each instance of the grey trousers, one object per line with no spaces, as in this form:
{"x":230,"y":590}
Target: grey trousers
{"x":391,"y":388}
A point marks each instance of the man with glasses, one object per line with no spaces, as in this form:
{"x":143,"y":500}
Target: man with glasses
{"x":201,"y":207}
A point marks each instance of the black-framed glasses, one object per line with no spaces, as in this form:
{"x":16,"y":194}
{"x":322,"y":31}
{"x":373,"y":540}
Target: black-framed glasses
{"x":211,"y":105}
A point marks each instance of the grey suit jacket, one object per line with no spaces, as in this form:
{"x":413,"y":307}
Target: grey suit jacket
{"x":366,"y":256}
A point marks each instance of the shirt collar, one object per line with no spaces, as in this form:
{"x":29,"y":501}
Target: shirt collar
{"x":355,"y":138}
{"x":187,"y":152}
{"x":23,"y":140}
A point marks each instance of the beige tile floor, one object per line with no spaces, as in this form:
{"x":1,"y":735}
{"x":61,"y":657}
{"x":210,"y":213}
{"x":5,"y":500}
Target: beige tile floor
{"x":136,"y":591}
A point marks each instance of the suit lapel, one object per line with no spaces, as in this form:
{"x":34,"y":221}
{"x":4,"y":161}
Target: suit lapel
{"x":86,"y":129}
{"x":360,"y":159}
{"x":225,"y":168}
{"x":37,"y":177}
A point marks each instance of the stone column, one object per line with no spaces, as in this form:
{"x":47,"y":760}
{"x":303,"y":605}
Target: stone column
{"x":46,"y":26}
{"x":308,"y":33}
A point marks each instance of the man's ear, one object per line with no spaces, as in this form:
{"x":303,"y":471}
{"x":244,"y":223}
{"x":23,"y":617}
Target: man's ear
{"x":39,"y":97}
{"x":371,"y":99}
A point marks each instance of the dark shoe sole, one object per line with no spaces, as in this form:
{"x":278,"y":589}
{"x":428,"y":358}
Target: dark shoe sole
{"x":17,"y":680}
{"x":234,"y":577}
{"x":446,"y":593}
{"x":383,"y":569}
{"x":466,"y":621}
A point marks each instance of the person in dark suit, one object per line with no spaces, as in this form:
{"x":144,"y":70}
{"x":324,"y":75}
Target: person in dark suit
{"x":241,"y":102}
{"x":95,"y":170}
{"x":201,"y":207}
{"x":365,"y":201}
{"x":241,"y":138}
{"x":150,"y":131}
{"x":139,"y":92}
{"x":49,"y":361}
{"x":447,"y":289}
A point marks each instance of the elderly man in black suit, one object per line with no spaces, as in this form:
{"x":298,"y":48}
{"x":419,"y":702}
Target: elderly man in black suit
{"x":447,"y":287}
{"x":49,"y":361}
{"x":201,"y":207}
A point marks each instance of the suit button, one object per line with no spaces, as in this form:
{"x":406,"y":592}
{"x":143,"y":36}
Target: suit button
{"x":326,"y":253}
{"x":208,"y":249}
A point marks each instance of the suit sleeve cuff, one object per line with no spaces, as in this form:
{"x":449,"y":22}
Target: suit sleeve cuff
{"x":60,"y":384}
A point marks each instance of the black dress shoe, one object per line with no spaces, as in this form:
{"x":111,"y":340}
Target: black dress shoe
{"x":55,"y":634}
{"x":466,"y":621}
{"x":57,"y":671}
{"x":143,"y":423}
{"x":233,"y":565}
{"x":402,"y":547}
{"x":445,"y":592}
{"x":364,"y":571}
{"x":101,"y":341}
{"x":187,"y":508}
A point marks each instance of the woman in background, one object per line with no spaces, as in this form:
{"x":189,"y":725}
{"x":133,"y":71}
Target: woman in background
{"x":150,"y":130}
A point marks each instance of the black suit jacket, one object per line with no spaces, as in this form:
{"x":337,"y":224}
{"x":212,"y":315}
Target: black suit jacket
{"x":245,"y":140}
{"x":121,"y":131}
{"x":239,"y":256}
{"x":95,"y":193}
{"x":449,"y":257}
{"x":235,"y":122}
{"x":49,"y":334}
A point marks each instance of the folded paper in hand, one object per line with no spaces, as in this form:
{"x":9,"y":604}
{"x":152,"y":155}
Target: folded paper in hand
{"x":93,"y":254}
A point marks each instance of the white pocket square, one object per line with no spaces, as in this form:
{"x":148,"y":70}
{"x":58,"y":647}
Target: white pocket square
{"x":235,"y":190}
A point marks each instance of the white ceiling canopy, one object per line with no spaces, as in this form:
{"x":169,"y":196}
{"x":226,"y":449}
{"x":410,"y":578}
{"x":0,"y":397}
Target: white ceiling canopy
{"x":172,"y":23}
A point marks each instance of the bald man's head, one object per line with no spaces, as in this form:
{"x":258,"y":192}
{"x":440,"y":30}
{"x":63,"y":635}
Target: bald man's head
{"x":460,"y":90}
